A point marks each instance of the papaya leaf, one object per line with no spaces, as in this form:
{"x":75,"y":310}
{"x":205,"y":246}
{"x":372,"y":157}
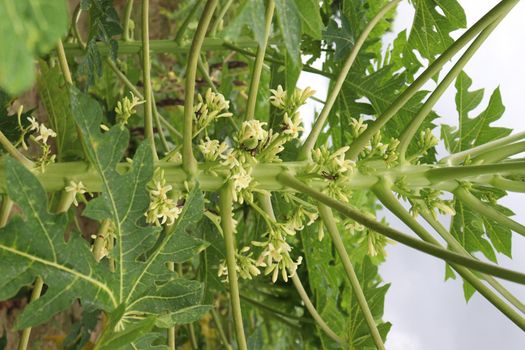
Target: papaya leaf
{"x":290,"y":24}
{"x":311,"y":21}
{"x":434,"y":20}
{"x":250,"y":16}
{"x":142,"y":281}
{"x":35,"y":246}
{"x":29,"y":28}
{"x":474,"y":232}
{"x":473,"y":131}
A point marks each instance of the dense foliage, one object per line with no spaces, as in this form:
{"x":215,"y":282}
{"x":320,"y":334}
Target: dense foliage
{"x":164,"y":182}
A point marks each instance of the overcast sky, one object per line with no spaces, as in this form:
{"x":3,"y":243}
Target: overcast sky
{"x":426,"y":312}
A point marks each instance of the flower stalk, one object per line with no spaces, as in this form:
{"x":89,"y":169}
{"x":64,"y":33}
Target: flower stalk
{"x":329,"y":221}
{"x":146,"y":76}
{"x":225,"y":205}
{"x":188,"y":159}
{"x":259,"y":61}
{"x":309,"y":144}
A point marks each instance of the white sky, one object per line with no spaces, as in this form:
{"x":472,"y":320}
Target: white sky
{"x":426,"y":312}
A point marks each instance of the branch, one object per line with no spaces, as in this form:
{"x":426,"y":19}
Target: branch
{"x":457,"y":158}
{"x":338,"y":84}
{"x":479,"y":207}
{"x":329,"y":221}
{"x":500,"y":153}
{"x":497,"y":271}
{"x":313,"y":312}
{"x":188,"y":159}
{"x":266,"y":203}
{"x":386,"y":197}
{"x":412,"y":127}
{"x":127,"y":19}
{"x":146,"y":76}
{"x":456,"y":246}
{"x":467,"y":171}
{"x":361,"y":141}
{"x":259,"y":61}
{"x":225,"y":206}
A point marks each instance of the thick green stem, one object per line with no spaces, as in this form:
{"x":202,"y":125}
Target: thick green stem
{"x":500,"y":153}
{"x":127,"y":20}
{"x":225,"y":205}
{"x":313,"y":312}
{"x":457,"y":247}
{"x":479,"y":207}
{"x":469,"y":171}
{"x":329,"y":221}
{"x":508,"y":185}
{"x":338,"y":84}
{"x":412,"y":127}
{"x":387,"y":198}
{"x":259,"y":61}
{"x":360,"y":142}
{"x":264,"y":174}
{"x":146,"y":76}
{"x":188,"y":159}
{"x":354,"y":214}
{"x":164,"y":46}
{"x":457,"y":158}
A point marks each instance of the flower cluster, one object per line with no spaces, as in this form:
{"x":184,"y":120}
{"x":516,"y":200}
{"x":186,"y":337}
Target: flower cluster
{"x":208,"y":109}
{"x":126,"y":108}
{"x":290,"y":102}
{"x":77,"y":188}
{"x":425,"y":199}
{"x":245,"y":265}
{"x":385,"y":151}
{"x":425,"y":142}
{"x":275,"y":256}
{"x":334,"y":168}
{"x":212,"y":150}
{"x":431,"y":199}
{"x":40,"y":136}
{"x":252,"y":135}
{"x":376,"y":148}
{"x":162,"y":209}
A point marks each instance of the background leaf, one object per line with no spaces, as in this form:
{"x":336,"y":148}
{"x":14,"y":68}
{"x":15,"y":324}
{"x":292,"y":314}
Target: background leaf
{"x":54,"y":92}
